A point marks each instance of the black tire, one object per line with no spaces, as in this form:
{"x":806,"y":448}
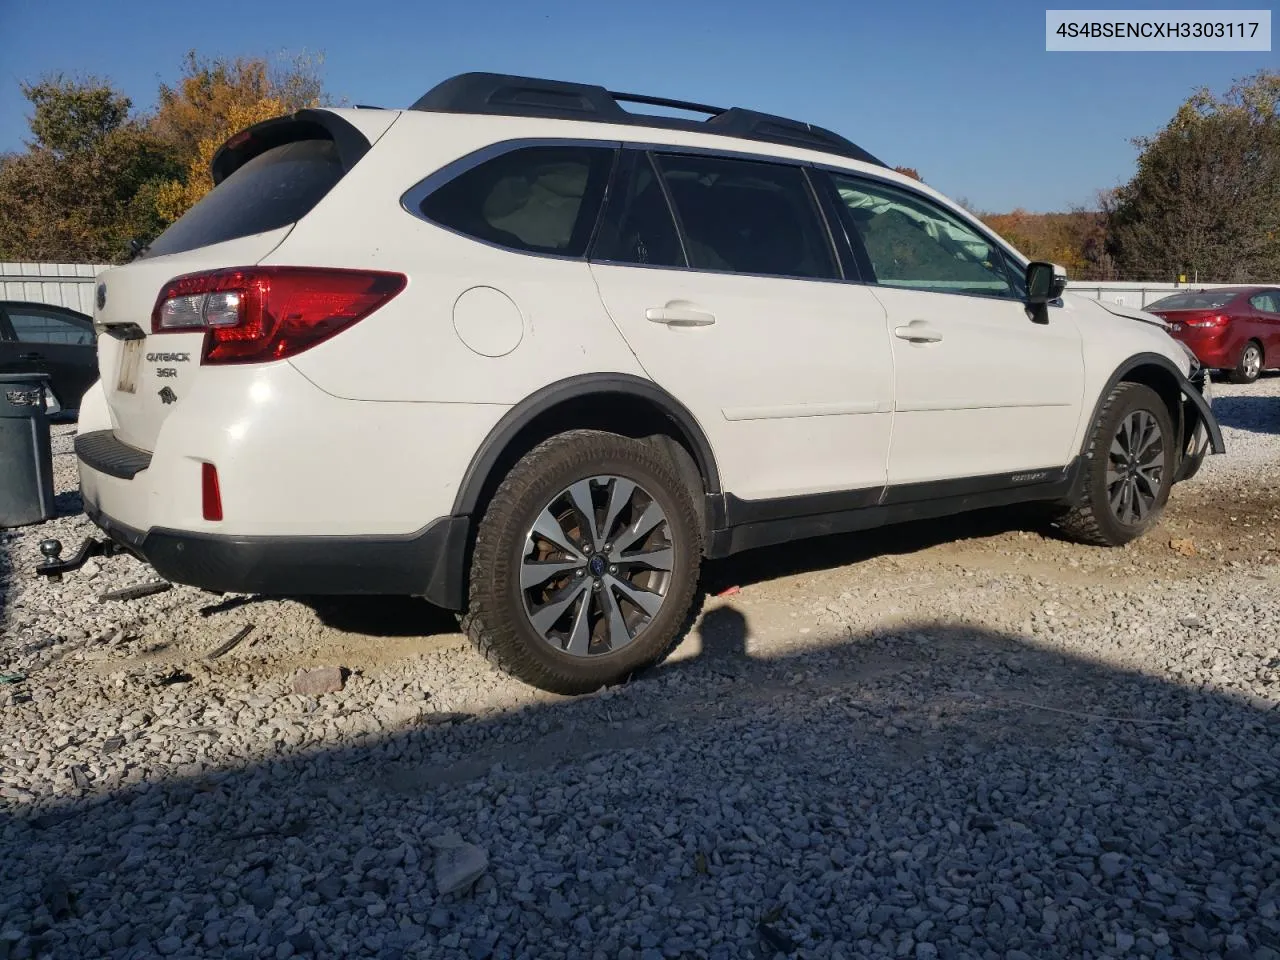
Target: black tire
{"x":498,"y":620}
{"x":1250,"y":363}
{"x":1094,"y":517}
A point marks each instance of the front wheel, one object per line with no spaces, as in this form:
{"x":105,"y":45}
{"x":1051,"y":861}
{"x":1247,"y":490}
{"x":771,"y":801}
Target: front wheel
{"x":585,"y":563}
{"x":1127,"y":470}
{"x":1250,"y":364}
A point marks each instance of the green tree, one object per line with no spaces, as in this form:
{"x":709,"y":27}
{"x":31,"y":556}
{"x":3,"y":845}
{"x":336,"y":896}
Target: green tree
{"x":1205,"y":200}
{"x":88,"y":180}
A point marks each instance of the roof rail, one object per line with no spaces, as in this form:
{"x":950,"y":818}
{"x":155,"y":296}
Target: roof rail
{"x":506,"y":95}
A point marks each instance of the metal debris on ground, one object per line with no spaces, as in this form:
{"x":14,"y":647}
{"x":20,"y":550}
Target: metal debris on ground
{"x":177,"y":676}
{"x":230,"y":644}
{"x":136,"y":591}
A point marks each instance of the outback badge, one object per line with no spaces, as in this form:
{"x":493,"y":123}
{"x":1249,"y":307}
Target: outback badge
{"x":167,"y":395}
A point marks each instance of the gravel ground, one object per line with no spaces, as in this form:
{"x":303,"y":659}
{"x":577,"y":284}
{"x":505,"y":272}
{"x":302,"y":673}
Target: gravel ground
{"x":958,"y":739}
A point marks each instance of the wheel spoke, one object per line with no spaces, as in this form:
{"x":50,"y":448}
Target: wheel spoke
{"x":580,"y":639}
{"x":1150,"y":434}
{"x":619,"y":635}
{"x":1117,"y":498}
{"x":620,"y":491}
{"x":656,"y":559}
{"x":644,"y":524}
{"x":548,"y":527}
{"x":545,"y":617}
{"x":535,"y":572}
{"x":580,"y":495}
{"x":644,"y":599}
{"x":1139,"y":502}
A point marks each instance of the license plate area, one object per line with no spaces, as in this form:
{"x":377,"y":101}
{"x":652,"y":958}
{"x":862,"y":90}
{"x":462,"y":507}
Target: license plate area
{"x":130,"y":361}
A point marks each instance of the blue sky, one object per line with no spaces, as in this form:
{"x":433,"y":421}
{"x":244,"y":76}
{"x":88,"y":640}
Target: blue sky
{"x":967,"y":94}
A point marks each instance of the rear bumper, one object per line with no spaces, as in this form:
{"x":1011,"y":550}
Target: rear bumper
{"x":429,"y":563}
{"x":1214,"y":350}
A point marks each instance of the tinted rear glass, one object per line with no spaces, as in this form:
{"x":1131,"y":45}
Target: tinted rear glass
{"x":1192,"y":301}
{"x":276,"y":188}
{"x":535,"y":199}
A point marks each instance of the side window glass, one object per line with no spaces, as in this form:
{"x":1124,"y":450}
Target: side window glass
{"x":535,"y":199}
{"x":912,"y":242}
{"x":742,"y":216}
{"x":1266,"y":302}
{"x":638,"y":227}
{"x":31,"y":326}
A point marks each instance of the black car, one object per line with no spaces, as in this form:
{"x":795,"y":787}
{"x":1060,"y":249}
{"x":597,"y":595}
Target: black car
{"x":42,"y":338}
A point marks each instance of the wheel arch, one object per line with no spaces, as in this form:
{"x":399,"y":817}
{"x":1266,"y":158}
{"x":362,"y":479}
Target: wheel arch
{"x":618,"y":402}
{"x":1163,"y":376}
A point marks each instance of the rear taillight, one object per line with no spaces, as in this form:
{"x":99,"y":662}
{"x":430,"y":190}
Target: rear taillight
{"x":1221,"y":320}
{"x":254,"y":314}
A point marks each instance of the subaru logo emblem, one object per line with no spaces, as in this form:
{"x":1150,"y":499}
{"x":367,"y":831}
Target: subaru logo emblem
{"x":102,"y":295}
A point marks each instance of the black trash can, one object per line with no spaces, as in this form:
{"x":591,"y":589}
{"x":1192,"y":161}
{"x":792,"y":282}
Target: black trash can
{"x":26,"y":458}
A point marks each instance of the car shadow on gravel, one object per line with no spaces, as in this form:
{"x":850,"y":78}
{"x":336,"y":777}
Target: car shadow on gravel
{"x":1254,"y":413}
{"x":932,"y":791}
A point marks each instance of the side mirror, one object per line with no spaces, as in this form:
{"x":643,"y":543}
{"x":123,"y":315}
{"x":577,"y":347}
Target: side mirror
{"x":1045,"y":282}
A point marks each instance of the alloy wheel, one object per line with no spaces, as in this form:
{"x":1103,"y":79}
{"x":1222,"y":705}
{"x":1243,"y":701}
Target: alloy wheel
{"x":1251,"y":362}
{"x":1135,"y":467}
{"x":596,"y":566}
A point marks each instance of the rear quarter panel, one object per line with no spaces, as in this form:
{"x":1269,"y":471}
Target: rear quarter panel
{"x":411,"y":349}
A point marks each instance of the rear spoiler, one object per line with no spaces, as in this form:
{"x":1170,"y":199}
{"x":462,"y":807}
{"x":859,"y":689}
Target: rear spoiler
{"x":305,"y":124}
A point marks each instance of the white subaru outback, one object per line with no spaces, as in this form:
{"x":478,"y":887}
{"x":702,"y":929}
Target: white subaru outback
{"x":534,"y":356}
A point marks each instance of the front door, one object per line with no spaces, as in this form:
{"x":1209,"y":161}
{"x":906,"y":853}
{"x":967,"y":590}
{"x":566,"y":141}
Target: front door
{"x":740,"y":314}
{"x":982,"y":390}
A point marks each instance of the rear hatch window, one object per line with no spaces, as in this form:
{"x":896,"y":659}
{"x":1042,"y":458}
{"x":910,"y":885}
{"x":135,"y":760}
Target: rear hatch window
{"x":274,"y":189}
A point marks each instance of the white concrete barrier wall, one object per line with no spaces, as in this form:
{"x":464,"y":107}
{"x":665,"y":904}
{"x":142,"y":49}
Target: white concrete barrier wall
{"x":1135,"y":294}
{"x":63,"y":284}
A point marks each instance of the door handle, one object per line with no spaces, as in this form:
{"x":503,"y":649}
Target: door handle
{"x":917,"y":331}
{"x":680,"y":316}
{"x":31,"y":356}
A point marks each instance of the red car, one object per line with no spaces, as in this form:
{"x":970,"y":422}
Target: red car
{"x":1236,"y":329}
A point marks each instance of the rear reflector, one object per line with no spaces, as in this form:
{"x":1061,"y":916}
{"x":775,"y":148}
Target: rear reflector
{"x":254,"y":314}
{"x":210,"y":495}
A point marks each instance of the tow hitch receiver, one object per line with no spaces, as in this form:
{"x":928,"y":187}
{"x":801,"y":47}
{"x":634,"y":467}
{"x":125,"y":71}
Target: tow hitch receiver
{"x":53,"y":566}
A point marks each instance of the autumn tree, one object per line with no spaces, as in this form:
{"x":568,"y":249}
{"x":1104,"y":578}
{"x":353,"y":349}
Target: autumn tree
{"x":911,"y":172}
{"x":1205,"y":200}
{"x":88,"y":181}
{"x":216,"y":98}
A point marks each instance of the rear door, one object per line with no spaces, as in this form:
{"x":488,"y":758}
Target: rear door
{"x":242,"y":220}
{"x":737,"y":308}
{"x":52,"y":340}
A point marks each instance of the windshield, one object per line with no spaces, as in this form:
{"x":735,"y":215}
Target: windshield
{"x":1200,"y":300}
